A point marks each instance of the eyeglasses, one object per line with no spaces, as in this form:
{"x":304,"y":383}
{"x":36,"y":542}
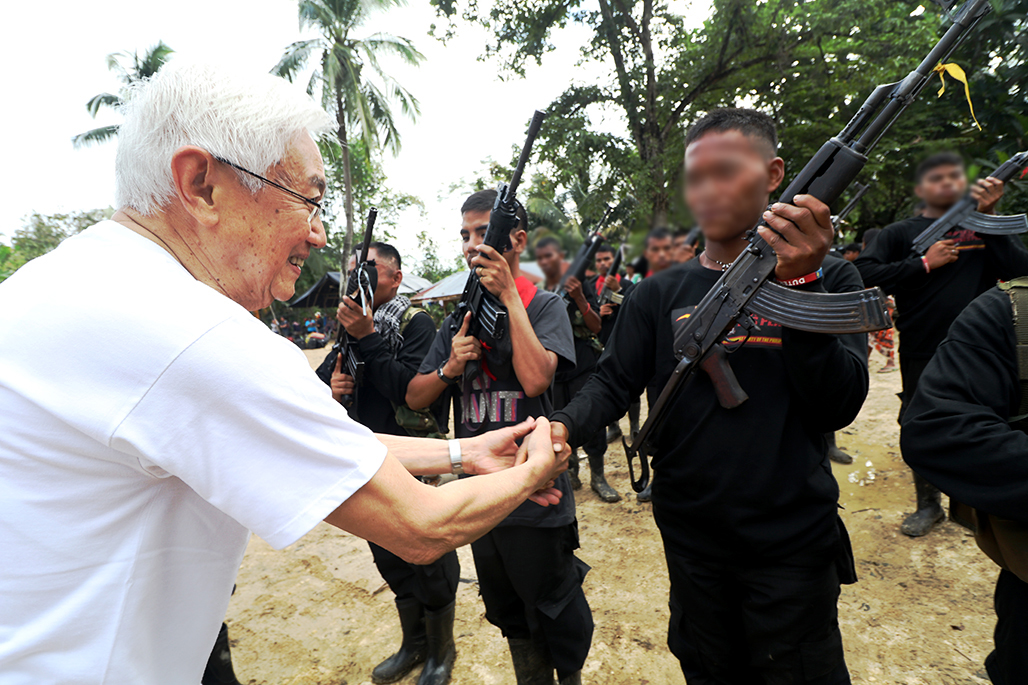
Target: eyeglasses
{"x":316,"y":206}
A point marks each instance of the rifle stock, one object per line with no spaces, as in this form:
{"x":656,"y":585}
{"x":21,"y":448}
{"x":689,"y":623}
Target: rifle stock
{"x":825,"y":177}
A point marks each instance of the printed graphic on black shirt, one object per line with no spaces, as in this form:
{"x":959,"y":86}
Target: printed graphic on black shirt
{"x":761,"y":333}
{"x":965,"y":239}
{"x":487,"y":403}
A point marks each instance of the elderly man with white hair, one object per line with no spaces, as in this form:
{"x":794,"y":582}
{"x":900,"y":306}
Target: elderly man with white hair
{"x":139,"y":449}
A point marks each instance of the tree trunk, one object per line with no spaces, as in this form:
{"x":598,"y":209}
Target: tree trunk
{"x":347,"y":191}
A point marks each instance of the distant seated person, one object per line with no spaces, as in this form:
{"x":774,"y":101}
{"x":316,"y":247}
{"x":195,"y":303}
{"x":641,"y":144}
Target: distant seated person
{"x":851,"y":252}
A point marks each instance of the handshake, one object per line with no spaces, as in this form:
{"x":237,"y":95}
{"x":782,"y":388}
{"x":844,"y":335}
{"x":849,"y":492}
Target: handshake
{"x":529,"y":444}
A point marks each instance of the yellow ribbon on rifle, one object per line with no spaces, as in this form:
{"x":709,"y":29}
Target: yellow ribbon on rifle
{"x":956,"y":72}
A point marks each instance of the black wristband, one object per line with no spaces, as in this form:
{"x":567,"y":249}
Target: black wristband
{"x":443,"y":377}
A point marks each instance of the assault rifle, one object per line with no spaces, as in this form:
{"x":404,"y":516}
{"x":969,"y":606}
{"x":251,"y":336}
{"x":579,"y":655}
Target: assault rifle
{"x":744,"y":290}
{"x":488,"y":315}
{"x":360,"y":285}
{"x":583,"y":259}
{"x":850,"y":206}
{"x":608,"y":296}
{"x":964,"y":213}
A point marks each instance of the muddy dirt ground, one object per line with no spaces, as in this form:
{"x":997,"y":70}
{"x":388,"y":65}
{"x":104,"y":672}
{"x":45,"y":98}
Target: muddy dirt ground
{"x":319,"y":613}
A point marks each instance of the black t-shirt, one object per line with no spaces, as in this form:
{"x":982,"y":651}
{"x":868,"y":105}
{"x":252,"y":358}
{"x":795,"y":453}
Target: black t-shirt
{"x":927,"y":303}
{"x":734,"y":483}
{"x":386,"y":377}
{"x":497,"y":404}
{"x":955,"y":432}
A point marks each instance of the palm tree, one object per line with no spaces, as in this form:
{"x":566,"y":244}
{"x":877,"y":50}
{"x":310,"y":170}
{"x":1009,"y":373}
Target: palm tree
{"x":362,"y":106}
{"x":139,"y":69}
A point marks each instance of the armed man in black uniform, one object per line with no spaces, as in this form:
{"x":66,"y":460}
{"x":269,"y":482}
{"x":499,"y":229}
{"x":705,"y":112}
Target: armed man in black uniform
{"x":744,"y":498}
{"x":964,"y":432}
{"x":932,"y":290}
{"x":393,"y":338}
{"x":583,"y":312}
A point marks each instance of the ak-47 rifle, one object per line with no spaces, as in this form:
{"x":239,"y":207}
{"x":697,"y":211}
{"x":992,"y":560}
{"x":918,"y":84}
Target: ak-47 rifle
{"x":964,"y":213}
{"x":744,"y":290}
{"x":608,"y":296}
{"x":850,"y":206}
{"x":360,"y":285}
{"x":488,"y":315}
{"x":583,"y":259}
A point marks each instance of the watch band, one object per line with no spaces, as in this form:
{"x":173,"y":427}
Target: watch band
{"x":456,"y":460}
{"x":443,"y":377}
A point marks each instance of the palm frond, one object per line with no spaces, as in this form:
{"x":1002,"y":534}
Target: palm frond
{"x":380,"y":43}
{"x":295,"y":57}
{"x":153,"y":60}
{"x":102,"y":100}
{"x":97,"y":135}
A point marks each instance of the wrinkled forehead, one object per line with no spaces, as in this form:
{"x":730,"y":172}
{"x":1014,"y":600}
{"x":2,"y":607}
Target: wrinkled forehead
{"x":303,"y":166}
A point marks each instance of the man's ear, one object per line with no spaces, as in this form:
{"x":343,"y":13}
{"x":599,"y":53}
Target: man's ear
{"x":775,"y":173}
{"x":919,"y":191}
{"x":518,"y":240}
{"x":197,"y":183}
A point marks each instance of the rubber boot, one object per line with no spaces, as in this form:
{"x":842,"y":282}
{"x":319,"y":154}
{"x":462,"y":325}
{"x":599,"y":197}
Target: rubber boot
{"x":613,"y":432}
{"x":647,"y":494}
{"x":219,"y":664}
{"x":573,"y":679}
{"x":531,"y":665}
{"x":576,"y":482}
{"x":412,"y":649}
{"x":929,"y":510}
{"x":836,"y":454}
{"x":633,"y":417}
{"x":598,"y":482}
{"x":441,"y":650}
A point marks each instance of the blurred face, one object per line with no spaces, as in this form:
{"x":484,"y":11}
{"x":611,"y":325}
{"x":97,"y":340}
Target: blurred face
{"x":658,"y":253}
{"x":603,"y":262}
{"x":729,"y":177}
{"x":549,"y":259}
{"x":850,"y":255}
{"x":472,"y":234}
{"x":942,"y":186}
{"x":264,"y":244}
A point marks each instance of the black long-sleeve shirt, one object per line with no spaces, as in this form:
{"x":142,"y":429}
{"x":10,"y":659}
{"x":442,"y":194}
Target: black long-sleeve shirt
{"x":744,"y":482}
{"x":955,"y":432}
{"x":927,"y":303}
{"x":386,"y":377}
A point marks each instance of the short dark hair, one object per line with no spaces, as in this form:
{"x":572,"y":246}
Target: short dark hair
{"x":680,"y":233}
{"x":852,"y":247}
{"x":547,"y":241}
{"x":388,"y":252}
{"x":605,"y":247}
{"x":749,"y":122}
{"x":935,"y":161}
{"x":870,"y":235}
{"x":483,"y":201}
{"x":659,"y":233}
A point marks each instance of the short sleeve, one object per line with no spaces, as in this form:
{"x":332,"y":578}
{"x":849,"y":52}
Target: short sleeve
{"x":549,"y":319}
{"x":241,"y":418}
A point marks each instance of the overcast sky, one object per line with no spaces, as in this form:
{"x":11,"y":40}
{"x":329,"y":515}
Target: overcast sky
{"x":468,"y":112}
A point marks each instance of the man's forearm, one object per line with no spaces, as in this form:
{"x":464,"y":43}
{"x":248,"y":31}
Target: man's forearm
{"x":421,"y":456}
{"x":423,"y":390}
{"x":533,"y":364}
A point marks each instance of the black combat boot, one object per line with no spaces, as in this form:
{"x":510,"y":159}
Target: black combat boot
{"x":219,"y":665}
{"x":929,"y":510}
{"x":647,"y":494}
{"x":531,"y":664}
{"x":412,"y":649}
{"x":613,"y":432}
{"x":598,"y":482}
{"x":633,"y":417}
{"x":441,"y":650}
{"x":836,"y":454}
{"x":573,"y":679}
{"x":576,"y":482}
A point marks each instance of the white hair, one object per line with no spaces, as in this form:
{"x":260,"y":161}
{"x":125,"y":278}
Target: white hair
{"x":248,"y":119}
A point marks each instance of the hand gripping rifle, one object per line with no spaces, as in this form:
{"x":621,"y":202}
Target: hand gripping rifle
{"x":744,"y":289}
{"x":488,"y":315}
{"x":964,"y":213}
{"x":608,"y":296}
{"x":586,"y":255}
{"x":360,"y":285}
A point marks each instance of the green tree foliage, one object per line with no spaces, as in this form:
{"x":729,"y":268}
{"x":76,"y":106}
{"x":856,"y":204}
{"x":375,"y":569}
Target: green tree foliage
{"x":351,"y":81}
{"x":129,"y":69}
{"x":42,"y":233}
{"x":809,"y":63}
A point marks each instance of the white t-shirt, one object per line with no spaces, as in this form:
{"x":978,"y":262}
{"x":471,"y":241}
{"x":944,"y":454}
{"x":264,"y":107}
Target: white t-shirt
{"x":147,"y":422}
